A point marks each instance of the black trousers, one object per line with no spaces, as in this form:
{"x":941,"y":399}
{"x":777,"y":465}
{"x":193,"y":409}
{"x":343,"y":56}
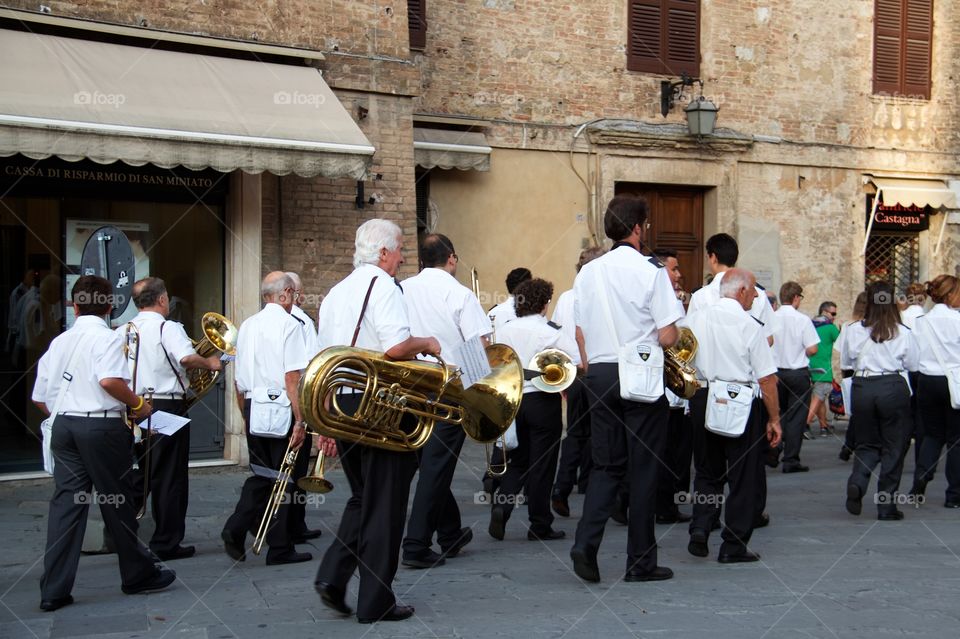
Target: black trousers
{"x":371,"y":528}
{"x":730,"y":460}
{"x":575,"y":458}
{"x":91,"y":453}
{"x":435,"y":509}
{"x":941,"y":428}
{"x":533,"y":463}
{"x":266,"y":458}
{"x":674,"y":475}
{"x":795,"y":389}
{"x":627,"y":438}
{"x":916,"y":419}
{"x":882,"y":408}
{"x":169,"y":479}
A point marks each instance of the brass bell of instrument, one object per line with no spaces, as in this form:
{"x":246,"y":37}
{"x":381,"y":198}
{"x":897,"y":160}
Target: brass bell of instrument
{"x":219,"y":336}
{"x":557,"y":371}
{"x":679,"y":375}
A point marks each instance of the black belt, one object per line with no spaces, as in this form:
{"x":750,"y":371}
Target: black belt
{"x":102,"y":414}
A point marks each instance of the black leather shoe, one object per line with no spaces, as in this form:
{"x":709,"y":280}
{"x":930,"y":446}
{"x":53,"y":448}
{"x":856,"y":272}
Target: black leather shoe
{"x":660,"y":573}
{"x":498,"y":523}
{"x":333,"y":598}
{"x":426,"y":559}
{"x":677,"y":518}
{"x":798,"y":468}
{"x":233,"y":547}
{"x":739,"y":558}
{"x":397,"y":613}
{"x":845,"y":453}
{"x":560,"y":506}
{"x":466,"y":536}
{"x":49,"y":605}
{"x":896,"y":515}
{"x":550,"y":535}
{"x":951,"y":504}
{"x":854,"y":499}
{"x":289,"y":557}
{"x":584,"y":565}
{"x":762,"y":521}
{"x":772,"y":458}
{"x":715,"y":524}
{"x":160,"y":579}
{"x":698,"y":544}
{"x":306,"y":535}
{"x":180,"y":552}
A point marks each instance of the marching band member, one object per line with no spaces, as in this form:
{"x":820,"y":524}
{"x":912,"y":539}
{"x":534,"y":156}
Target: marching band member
{"x":938,"y":337}
{"x":299,"y":531}
{"x":437,"y":304}
{"x":164,"y":354}
{"x":366,"y":310}
{"x":270,"y":359}
{"x":533,"y":463}
{"x":795,"y":341}
{"x":83,"y":379}
{"x":624,"y":298}
{"x":732,"y":355}
{"x":505,"y":311}
{"x":879,"y":350}
{"x":575,"y":462}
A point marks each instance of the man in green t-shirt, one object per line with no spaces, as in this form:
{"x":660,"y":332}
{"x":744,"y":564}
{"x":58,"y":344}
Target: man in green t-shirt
{"x":820,"y":367}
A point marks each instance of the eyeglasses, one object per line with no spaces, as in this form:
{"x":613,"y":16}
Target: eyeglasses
{"x":646,"y":226}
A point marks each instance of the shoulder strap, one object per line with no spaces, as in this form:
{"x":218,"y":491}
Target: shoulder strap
{"x":606,"y":311}
{"x":363,"y":310}
{"x":172,"y":367}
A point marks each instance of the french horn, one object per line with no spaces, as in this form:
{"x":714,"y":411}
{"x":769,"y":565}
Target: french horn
{"x":679,"y":375}
{"x":219,"y":336}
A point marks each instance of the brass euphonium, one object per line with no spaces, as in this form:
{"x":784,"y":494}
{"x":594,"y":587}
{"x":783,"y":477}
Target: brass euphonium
{"x":678,"y":373}
{"x":426,"y":392}
{"x":219,"y":336}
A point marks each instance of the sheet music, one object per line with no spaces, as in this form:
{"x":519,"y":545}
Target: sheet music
{"x":473,"y":362}
{"x":164,"y":423}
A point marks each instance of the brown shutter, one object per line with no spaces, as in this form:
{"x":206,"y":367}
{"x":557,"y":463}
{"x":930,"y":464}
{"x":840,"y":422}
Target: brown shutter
{"x":916,"y":57}
{"x":887,"y":22}
{"x":645,"y":50}
{"x":663,"y":36}
{"x":683,"y":37}
{"x":417,"y":18}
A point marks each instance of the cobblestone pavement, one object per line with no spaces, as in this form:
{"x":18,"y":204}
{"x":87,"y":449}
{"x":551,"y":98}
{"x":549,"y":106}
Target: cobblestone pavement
{"x":824,"y":573}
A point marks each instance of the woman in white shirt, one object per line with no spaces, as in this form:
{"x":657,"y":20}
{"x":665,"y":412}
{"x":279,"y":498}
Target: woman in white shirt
{"x":859,"y":307}
{"x":533,"y":463}
{"x":879,"y":350}
{"x":938,"y":336}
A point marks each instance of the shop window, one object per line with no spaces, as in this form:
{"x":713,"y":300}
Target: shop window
{"x":902,"y":38}
{"x":663,"y":36}
{"x":893,"y":258}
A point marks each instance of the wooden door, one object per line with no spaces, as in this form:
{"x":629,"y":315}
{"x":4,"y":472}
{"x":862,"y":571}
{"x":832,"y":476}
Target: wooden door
{"x":676,"y":222}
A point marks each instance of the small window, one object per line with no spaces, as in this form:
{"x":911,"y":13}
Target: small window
{"x":902,"y":39}
{"x":893,"y":258}
{"x":663,"y":36}
{"x":417,"y":18}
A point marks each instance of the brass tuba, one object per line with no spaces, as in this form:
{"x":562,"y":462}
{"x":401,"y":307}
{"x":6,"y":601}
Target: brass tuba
{"x":219,"y":336}
{"x":678,"y":373}
{"x":424,"y":392}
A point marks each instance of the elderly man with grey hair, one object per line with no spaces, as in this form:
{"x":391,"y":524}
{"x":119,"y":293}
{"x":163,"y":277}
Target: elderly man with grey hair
{"x":736,"y":360}
{"x":271,"y":357}
{"x":366,"y":310}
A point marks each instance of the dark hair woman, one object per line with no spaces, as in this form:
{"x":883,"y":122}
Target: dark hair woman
{"x":879,"y":351}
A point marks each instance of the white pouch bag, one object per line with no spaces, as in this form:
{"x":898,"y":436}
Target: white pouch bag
{"x":46,"y":430}
{"x":270,"y":412}
{"x":509,"y":437}
{"x":728,"y":408}
{"x":641,"y":372}
{"x":846,"y":390}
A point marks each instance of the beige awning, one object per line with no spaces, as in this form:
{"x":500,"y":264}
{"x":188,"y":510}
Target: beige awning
{"x":448,"y":149}
{"x":79,"y":99}
{"x":921,"y":193}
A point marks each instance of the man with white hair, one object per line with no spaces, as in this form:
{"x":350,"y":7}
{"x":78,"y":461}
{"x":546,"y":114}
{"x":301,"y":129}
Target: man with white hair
{"x":728,"y":434}
{"x":270,"y":360}
{"x":366,"y":310}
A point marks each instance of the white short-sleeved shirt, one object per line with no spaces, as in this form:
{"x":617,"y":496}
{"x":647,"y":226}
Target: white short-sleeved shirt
{"x":153,"y":369}
{"x":938,"y":329}
{"x":99,"y":356}
{"x":794,"y":334}
{"x":307,"y":330}
{"x":892,"y":356}
{"x":640,"y":296}
{"x":760,"y":310}
{"x":502,"y":313}
{"x":530,"y":334}
{"x":731,"y":344}
{"x":563,"y":315}
{"x":385,"y":322}
{"x":910,"y":314}
{"x":269,"y":346}
{"x":439,"y":306}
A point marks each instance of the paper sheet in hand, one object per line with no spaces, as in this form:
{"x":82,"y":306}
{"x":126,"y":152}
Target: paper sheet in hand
{"x":474,"y":365}
{"x":164,"y":423}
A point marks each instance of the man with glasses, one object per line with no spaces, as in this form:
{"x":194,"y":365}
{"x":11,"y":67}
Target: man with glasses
{"x":820,"y":365}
